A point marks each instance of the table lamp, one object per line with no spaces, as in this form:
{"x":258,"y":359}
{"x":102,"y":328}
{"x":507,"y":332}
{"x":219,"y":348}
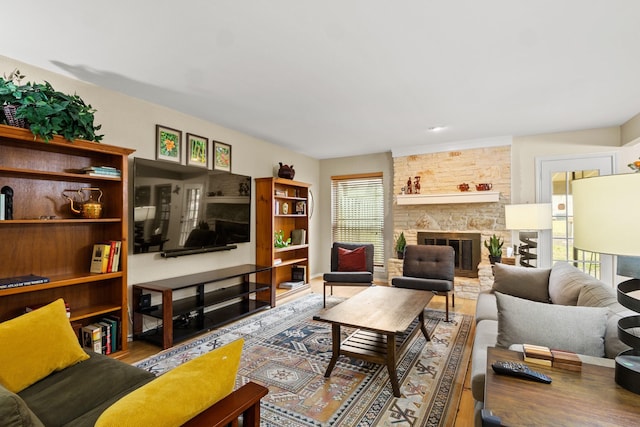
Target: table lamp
{"x":605,"y":220}
{"x":528,"y":219}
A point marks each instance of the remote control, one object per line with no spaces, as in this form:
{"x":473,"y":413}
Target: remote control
{"x":519,"y":370}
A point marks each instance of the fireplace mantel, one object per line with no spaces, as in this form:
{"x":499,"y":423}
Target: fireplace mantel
{"x":448,"y":198}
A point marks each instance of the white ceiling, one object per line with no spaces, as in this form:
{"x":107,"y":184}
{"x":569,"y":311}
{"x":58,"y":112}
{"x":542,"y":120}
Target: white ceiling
{"x":335,"y":78}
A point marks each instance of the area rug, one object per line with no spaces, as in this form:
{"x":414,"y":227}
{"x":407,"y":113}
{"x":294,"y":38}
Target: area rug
{"x":287,"y":351}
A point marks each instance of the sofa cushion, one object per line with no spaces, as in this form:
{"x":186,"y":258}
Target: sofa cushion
{"x":596,"y":295}
{"x":528,"y":283}
{"x":14,"y":412}
{"x":565,"y":283}
{"x":79,"y":394}
{"x":486,"y":307}
{"x":181,"y":393}
{"x":352,"y":260}
{"x":36,"y":344}
{"x":577,"y":329}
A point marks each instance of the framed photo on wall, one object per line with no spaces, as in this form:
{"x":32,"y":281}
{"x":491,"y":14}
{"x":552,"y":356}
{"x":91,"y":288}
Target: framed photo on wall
{"x":197,"y":151}
{"x":221,"y":156}
{"x":168,"y":144}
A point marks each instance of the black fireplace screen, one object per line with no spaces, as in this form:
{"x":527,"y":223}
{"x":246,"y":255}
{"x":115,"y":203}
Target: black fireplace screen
{"x":465,"y":245}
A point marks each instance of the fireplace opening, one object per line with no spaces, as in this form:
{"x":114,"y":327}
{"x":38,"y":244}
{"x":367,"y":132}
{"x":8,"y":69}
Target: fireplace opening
{"x":466,"y":246}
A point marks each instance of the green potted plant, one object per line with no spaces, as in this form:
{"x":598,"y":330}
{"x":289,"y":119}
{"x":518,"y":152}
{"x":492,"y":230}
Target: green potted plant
{"x":279,"y":240}
{"x":494,"y":244}
{"x":45,"y":111}
{"x":401,"y":243}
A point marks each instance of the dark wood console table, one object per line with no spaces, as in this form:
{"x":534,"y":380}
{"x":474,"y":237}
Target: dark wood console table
{"x":587,"y":398}
{"x":186,"y":317}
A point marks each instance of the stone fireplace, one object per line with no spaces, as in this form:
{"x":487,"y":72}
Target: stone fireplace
{"x":442,"y":214}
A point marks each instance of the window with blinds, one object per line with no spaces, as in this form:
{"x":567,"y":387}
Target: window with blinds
{"x":357,"y":211}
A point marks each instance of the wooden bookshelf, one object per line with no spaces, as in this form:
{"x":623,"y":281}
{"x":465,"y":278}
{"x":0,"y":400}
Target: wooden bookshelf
{"x":46,"y":238}
{"x":272,"y":194}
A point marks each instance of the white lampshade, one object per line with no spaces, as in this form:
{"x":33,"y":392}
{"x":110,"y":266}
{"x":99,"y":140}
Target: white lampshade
{"x":606,"y":214}
{"x":530,"y":216}
{"x":143,"y":213}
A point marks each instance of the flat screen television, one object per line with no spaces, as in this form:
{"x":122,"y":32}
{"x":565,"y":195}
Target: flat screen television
{"x":188,"y":209}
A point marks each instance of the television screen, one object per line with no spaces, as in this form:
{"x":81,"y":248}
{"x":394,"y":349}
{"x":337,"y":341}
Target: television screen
{"x":179,"y":207}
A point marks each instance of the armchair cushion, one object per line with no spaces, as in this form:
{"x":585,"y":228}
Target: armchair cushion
{"x":36,"y":344}
{"x":352,"y":260}
{"x":419,"y":283}
{"x":348,"y":277}
{"x":181,"y":393}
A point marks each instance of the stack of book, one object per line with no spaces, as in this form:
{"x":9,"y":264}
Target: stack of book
{"x":537,"y":354}
{"x":106,"y":257}
{"x":32,"y":307}
{"x":566,"y":360}
{"x":102,"y":336}
{"x":291,"y":284}
{"x":102,"y":171}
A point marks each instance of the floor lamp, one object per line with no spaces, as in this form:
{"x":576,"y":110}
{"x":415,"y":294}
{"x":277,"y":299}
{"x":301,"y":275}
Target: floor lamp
{"x":528,"y":219}
{"x":605,"y":220}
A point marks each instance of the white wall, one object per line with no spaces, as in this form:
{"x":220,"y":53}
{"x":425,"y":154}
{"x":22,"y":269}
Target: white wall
{"x":130,"y":122}
{"x":381,"y":162}
{"x":526,"y":149}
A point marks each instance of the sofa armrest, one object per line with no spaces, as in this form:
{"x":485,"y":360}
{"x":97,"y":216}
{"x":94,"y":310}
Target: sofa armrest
{"x":244,"y":401}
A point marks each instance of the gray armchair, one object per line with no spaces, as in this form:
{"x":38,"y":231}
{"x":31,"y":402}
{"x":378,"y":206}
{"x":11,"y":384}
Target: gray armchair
{"x":348,"y":278}
{"x":429,"y":268}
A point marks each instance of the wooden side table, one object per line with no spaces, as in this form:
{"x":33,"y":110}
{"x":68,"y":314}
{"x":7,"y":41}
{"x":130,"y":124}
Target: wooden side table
{"x":587,"y":398}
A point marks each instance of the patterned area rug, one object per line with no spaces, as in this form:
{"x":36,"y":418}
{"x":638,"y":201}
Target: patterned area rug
{"x":287,"y":351}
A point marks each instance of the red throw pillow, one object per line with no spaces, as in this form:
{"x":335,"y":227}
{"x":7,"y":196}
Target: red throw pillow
{"x":354,"y":260}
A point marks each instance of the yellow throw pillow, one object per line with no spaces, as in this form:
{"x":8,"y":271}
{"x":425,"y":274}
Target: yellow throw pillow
{"x":179,"y":395}
{"x":36,"y":344}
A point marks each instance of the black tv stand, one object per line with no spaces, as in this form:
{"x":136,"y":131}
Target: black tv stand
{"x":192,"y":315}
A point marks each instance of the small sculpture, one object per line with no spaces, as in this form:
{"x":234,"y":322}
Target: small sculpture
{"x":409,"y":188}
{"x":416,"y":186}
{"x":286,"y":171}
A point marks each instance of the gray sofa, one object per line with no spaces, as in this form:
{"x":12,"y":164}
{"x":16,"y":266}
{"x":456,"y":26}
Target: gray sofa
{"x":560,"y":307}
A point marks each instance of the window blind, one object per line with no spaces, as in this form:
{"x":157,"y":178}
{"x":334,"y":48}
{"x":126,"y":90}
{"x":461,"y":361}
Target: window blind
{"x":357,"y":211}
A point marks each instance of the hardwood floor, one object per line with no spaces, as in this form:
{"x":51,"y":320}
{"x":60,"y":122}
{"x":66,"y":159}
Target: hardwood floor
{"x":139,"y":350}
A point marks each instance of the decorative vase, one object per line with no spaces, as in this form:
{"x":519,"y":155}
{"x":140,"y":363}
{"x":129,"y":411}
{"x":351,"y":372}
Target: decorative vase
{"x":286,"y":171}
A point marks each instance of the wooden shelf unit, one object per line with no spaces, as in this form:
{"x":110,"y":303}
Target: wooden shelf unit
{"x":205,"y":309}
{"x":271,"y":195}
{"x":60,"y":246}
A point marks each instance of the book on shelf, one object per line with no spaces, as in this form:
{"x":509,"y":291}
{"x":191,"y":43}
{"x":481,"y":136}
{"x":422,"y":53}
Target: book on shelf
{"x":32,"y":307}
{"x":102,"y":171}
{"x":277,"y":261}
{"x":105,"y":257}
{"x":298,"y":273}
{"x":298,"y":236}
{"x":537,"y":354}
{"x":2,"y":206}
{"x":118,"y":328}
{"x":17,"y":281}
{"x":92,"y":338}
{"x":291,"y":284}
{"x":113,"y":332}
{"x":106,"y":337}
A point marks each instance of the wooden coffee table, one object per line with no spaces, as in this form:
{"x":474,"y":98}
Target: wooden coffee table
{"x":587,"y":398}
{"x":380,"y":313}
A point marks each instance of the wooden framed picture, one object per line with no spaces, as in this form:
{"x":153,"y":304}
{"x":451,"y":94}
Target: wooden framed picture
{"x":197,"y":151}
{"x":168,"y":144}
{"x":221,"y":156}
